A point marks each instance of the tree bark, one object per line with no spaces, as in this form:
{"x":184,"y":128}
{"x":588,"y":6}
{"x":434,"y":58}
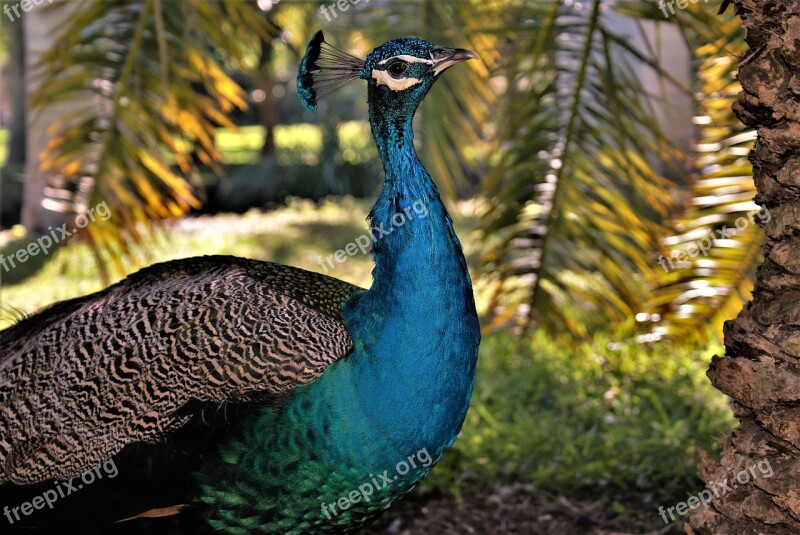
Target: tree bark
{"x":266,"y":108}
{"x":761,"y":369}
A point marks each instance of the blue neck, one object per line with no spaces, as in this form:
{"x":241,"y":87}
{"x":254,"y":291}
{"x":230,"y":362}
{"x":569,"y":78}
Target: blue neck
{"x":416,"y":329}
{"x":407,"y":189}
{"x":418,"y":259}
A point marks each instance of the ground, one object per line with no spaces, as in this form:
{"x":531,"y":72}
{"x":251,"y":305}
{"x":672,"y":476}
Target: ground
{"x":519,"y":509}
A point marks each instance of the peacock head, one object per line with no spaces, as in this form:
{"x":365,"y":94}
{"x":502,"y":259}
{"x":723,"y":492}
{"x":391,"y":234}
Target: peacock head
{"x":399,"y":72}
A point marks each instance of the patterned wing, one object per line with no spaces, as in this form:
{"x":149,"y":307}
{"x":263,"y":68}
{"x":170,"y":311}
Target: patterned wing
{"x":82,"y":379}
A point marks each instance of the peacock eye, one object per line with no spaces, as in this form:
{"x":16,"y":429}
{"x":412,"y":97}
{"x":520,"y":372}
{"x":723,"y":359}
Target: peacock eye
{"x":398,"y":69}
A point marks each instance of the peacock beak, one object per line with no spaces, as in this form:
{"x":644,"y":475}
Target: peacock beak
{"x":447,"y":57}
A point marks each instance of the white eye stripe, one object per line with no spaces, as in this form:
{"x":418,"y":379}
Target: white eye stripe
{"x":408,"y":59}
{"x":383,"y":78}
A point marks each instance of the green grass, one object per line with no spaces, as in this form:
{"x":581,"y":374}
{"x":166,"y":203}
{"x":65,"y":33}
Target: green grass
{"x":295,"y":143}
{"x":3,"y":146}
{"x":629,"y":418}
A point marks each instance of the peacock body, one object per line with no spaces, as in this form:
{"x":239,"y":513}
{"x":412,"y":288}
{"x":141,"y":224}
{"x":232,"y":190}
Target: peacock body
{"x":249,"y":397}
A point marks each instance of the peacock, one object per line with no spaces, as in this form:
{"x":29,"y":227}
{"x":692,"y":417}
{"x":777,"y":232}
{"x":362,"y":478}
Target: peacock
{"x":229,"y":395}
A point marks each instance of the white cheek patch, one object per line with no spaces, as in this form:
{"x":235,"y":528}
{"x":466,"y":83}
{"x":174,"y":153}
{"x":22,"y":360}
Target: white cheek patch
{"x":383,"y":78}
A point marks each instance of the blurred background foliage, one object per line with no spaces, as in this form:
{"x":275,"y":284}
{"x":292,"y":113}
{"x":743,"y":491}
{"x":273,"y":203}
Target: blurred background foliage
{"x":561,"y":134}
{"x":583,"y":158}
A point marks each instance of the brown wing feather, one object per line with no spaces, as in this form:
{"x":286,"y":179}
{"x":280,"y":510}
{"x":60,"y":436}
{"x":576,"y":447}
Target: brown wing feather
{"x":84,"y":378}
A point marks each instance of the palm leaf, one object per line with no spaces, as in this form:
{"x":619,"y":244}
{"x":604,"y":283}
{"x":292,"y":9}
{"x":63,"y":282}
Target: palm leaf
{"x":576,"y":198}
{"x":715,"y":276}
{"x":146,"y":87}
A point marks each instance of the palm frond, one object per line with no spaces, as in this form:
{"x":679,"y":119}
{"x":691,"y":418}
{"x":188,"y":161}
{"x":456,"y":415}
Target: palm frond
{"x":146,"y":87}
{"x":576,"y":197}
{"x":708,"y":264}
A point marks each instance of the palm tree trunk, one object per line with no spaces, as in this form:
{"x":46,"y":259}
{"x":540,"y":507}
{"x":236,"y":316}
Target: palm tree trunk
{"x":267,"y":108}
{"x":15,"y":84}
{"x":761,"y":370}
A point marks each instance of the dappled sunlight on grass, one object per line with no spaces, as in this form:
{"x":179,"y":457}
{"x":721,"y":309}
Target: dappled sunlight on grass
{"x":298,"y":234}
{"x":3,"y":146}
{"x":295,"y":143}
